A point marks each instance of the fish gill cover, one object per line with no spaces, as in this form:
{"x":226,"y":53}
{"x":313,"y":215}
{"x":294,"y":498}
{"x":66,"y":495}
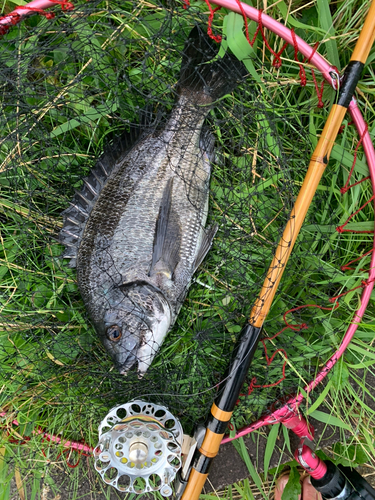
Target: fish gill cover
{"x":70,"y":86}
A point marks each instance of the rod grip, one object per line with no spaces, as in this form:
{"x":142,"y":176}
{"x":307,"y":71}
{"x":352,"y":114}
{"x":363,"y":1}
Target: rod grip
{"x":238,"y":368}
{"x":366,"y":37}
{"x":344,"y":483}
{"x":194,"y":486}
{"x":222,"y":409}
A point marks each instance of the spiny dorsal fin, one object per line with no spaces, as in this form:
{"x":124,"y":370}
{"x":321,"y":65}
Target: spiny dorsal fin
{"x":167,"y":240}
{"x":77,"y":214}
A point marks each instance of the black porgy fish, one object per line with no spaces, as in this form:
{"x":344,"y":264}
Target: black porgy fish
{"x":136,"y":232}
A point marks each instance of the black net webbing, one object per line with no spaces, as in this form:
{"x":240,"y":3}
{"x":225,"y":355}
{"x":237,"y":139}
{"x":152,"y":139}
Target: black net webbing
{"x":69,"y":87}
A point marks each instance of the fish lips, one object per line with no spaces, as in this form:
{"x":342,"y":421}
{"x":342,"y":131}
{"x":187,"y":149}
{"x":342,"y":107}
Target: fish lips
{"x":124,"y":368}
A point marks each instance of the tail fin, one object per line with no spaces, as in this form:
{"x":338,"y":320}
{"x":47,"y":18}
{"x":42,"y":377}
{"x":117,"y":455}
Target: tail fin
{"x":199,"y":76}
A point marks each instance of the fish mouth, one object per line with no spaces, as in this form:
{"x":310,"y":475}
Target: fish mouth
{"x":125,"y":371}
{"x":127,"y":364}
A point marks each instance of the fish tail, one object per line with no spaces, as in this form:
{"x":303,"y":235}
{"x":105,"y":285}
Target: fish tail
{"x":206,"y":81}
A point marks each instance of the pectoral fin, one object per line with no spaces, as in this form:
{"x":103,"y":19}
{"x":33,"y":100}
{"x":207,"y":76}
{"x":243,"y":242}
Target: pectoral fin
{"x":208,"y":236}
{"x":167,"y":239}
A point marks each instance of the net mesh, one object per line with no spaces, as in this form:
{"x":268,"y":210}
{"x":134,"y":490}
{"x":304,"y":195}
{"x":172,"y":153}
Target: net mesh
{"x":69,"y":86}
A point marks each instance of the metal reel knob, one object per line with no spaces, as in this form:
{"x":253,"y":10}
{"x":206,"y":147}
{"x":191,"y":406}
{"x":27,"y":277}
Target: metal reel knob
{"x":139,"y":448}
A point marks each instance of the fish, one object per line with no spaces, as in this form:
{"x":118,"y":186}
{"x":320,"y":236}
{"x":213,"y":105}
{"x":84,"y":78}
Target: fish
{"x":136,"y":231}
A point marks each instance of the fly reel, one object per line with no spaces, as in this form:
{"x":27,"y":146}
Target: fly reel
{"x":139,"y":448}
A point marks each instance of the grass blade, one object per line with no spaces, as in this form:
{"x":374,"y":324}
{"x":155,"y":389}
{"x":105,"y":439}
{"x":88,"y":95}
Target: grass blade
{"x":326,"y":23}
{"x":242,"y":450}
{"x":329,"y":419}
{"x":271,"y":441}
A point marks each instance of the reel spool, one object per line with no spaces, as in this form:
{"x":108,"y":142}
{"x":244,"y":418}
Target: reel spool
{"x":139,"y":448}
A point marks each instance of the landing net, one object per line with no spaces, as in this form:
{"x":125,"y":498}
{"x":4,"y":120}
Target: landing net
{"x":72,"y":84}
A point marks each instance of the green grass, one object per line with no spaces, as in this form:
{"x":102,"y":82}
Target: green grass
{"x":70,"y":84}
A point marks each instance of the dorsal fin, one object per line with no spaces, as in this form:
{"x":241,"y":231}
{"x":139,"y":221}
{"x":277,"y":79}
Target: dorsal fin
{"x":77,"y":214}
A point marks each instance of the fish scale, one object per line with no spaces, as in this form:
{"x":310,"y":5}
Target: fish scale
{"x":136,"y":232}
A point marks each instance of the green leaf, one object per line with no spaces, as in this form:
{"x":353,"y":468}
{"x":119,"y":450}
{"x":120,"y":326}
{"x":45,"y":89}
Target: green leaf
{"x":350,"y":456}
{"x":293,"y":486}
{"x":248,"y":493}
{"x":370,"y":59}
{"x":326,"y":418}
{"x":36,"y":487}
{"x":369,"y":437}
{"x":5,"y":492}
{"x":320,"y":399}
{"x":242,"y":450}
{"x":363,"y":364}
{"x":270,"y":446}
{"x":353,"y":226}
{"x":272,"y":141}
{"x":365,"y":352}
{"x":89,"y":117}
{"x":286,"y":438}
{"x":236,"y":39}
{"x":239,"y":490}
{"x":3,"y":271}
{"x":253,"y":72}
{"x":346,"y":159}
{"x":312,"y":130}
{"x":326,"y":24}
{"x":293,"y":22}
{"x":49,"y":480}
{"x":238,"y":44}
{"x":340,"y":375}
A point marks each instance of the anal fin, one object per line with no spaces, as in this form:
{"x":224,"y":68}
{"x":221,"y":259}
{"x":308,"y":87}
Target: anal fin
{"x":167,"y":239}
{"x":208,"y":236}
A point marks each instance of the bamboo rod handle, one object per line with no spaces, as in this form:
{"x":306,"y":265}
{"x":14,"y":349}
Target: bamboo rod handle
{"x":366,"y":37}
{"x":314,"y":173}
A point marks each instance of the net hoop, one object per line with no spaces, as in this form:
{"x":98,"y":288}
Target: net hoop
{"x":34,"y":7}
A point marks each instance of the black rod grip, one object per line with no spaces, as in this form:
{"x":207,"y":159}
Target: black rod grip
{"x":332,"y":484}
{"x":236,"y":372}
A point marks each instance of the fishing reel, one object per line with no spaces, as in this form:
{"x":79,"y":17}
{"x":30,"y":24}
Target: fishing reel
{"x":139,"y":449}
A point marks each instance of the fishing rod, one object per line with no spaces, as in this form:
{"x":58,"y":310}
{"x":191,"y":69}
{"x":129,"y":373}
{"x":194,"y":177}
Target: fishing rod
{"x":222,"y":409}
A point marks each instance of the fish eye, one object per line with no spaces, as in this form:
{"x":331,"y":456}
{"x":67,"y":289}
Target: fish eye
{"x":114,"y":333}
